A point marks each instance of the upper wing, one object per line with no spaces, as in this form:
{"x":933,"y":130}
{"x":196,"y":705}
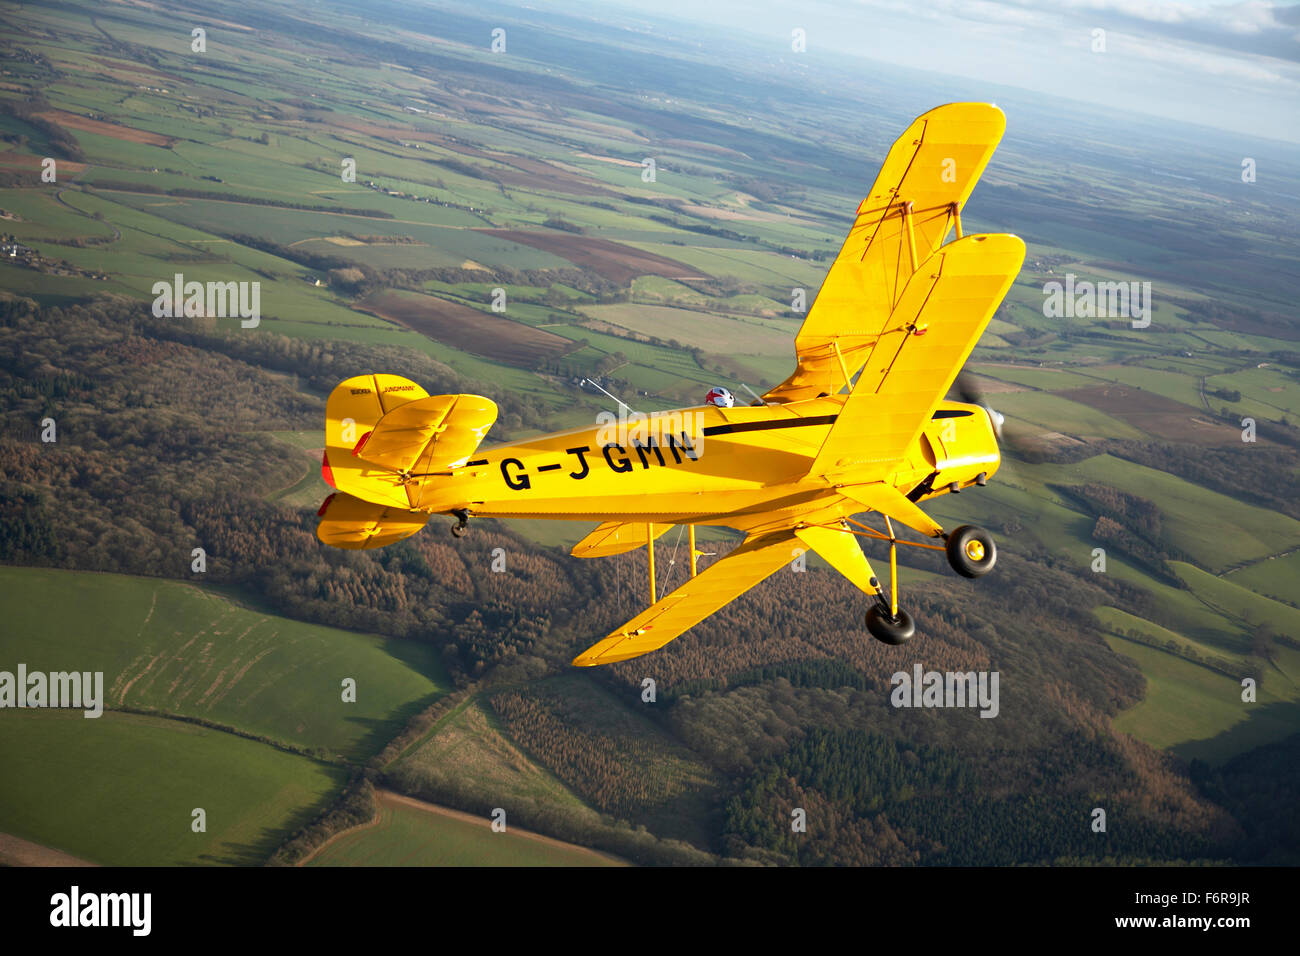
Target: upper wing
{"x":723,"y":581}
{"x":615,"y":537}
{"x":944,"y":309}
{"x":933,"y":166}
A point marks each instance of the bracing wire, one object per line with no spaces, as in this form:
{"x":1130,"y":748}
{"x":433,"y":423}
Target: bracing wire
{"x":673,"y":560}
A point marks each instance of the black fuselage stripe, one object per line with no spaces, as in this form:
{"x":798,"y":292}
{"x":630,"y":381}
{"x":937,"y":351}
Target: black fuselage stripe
{"x":738,"y":427}
{"x":764,"y":426}
{"x":812,"y":420}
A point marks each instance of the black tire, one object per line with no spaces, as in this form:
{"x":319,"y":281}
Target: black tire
{"x":895,"y":631}
{"x":971,"y":551}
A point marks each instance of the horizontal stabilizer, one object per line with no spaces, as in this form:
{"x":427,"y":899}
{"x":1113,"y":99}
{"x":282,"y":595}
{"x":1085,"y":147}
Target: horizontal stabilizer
{"x":379,"y":427}
{"x":438,"y":431}
{"x":348,"y":522}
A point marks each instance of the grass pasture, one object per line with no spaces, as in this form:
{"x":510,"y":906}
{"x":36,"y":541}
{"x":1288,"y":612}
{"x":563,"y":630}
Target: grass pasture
{"x":1274,"y":577}
{"x":1196,"y":712}
{"x":409,"y":832}
{"x":181,"y":649}
{"x":1216,"y":530}
{"x":1230,"y":598}
{"x":120,"y":789}
{"x":1059,"y":414}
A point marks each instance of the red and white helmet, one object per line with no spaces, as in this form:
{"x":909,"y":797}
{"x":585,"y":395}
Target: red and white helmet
{"x":719,"y":396}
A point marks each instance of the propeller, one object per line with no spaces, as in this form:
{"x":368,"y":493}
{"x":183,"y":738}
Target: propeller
{"x":968,"y":391}
{"x":1012,"y":440}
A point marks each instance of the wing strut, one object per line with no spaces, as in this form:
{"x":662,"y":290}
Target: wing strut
{"x":650,"y":548}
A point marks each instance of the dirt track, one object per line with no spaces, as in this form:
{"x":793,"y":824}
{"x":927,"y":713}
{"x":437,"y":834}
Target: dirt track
{"x":15,"y":851}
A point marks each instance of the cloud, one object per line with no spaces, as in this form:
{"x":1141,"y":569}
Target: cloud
{"x":1251,"y":17}
{"x":1191,"y":58}
{"x":1251,"y":32}
{"x":1251,"y":26}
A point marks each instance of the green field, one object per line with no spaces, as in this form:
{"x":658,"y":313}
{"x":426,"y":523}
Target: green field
{"x":1196,"y":712}
{"x":1217,"y":531}
{"x":120,"y":789}
{"x":405,"y":834}
{"x":1273,"y":577}
{"x":1232,"y":599}
{"x":1059,"y":414}
{"x":181,"y":649}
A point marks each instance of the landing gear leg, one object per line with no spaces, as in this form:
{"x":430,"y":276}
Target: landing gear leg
{"x":886,"y":621}
{"x":462,"y":523}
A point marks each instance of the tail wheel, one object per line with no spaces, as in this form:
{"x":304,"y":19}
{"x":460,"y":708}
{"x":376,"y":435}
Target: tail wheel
{"x":971,"y":551}
{"x":891,"y":630}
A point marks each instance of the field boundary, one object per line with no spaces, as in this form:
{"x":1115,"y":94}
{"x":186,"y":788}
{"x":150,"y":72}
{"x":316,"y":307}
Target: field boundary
{"x":392,"y":798}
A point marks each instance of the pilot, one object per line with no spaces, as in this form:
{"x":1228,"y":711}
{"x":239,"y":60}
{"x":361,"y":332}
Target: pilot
{"x":719,"y":396}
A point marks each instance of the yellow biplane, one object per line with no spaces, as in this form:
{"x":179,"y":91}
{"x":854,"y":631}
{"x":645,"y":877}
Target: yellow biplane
{"x":861,"y":425}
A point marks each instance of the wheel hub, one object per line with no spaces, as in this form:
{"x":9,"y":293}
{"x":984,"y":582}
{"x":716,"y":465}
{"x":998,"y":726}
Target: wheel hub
{"x":975,"y":550}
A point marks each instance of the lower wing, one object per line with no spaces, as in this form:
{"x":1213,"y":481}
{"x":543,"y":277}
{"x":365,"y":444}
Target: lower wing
{"x":616,"y":537}
{"x":722,"y":582}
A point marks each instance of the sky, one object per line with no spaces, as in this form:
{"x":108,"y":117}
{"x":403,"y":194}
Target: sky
{"x":1230,"y":65}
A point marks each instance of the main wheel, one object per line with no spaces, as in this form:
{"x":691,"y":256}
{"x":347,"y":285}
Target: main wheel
{"x":897,"y":630}
{"x":971,"y":551}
